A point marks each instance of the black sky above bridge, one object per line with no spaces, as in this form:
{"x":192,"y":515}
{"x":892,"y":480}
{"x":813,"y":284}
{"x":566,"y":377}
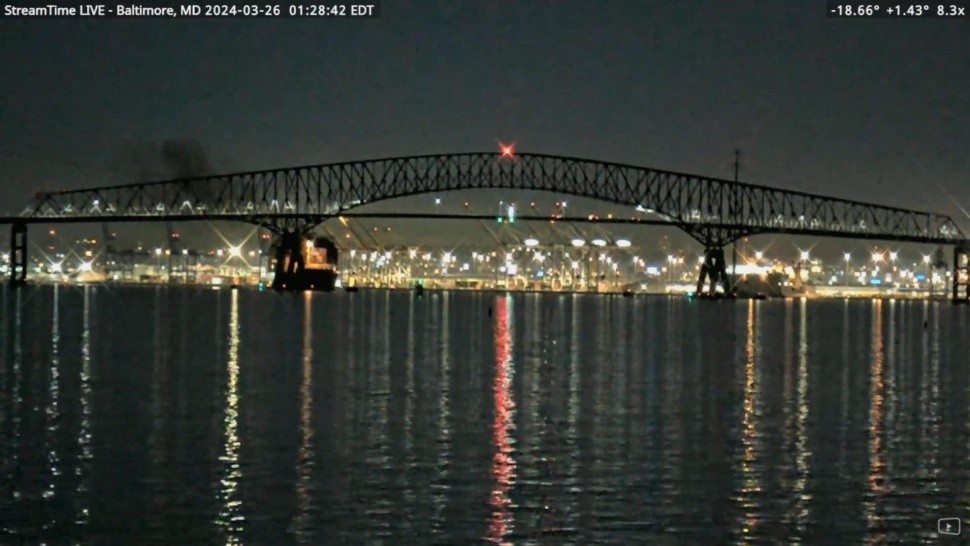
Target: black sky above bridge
{"x":873,"y":110}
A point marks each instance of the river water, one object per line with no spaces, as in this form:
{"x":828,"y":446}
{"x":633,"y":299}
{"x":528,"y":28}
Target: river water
{"x":194,"y":416}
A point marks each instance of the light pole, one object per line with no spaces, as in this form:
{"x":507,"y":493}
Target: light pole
{"x":929,"y":273}
{"x":877,"y":258}
{"x":892,"y":257}
{"x":235,"y":252}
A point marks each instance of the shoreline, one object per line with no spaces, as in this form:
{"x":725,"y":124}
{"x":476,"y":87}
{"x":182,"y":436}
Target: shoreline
{"x":859,"y":295}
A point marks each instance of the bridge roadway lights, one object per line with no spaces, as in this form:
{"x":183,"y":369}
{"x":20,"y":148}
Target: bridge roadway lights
{"x":961,"y":274}
{"x":18,"y":254}
{"x":715,"y":267}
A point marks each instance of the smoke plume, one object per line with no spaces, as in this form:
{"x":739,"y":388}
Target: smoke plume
{"x":185,"y":158}
{"x":173,"y":158}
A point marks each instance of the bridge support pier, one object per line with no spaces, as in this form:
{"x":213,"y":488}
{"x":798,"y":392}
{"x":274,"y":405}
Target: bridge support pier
{"x":961,"y":274}
{"x":714,"y":267}
{"x":289,"y":260}
{"x":18,"y":255}
{"x":714,"y":264}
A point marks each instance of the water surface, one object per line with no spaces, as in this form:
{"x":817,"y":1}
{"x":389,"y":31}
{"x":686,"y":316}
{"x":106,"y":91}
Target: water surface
{"x":154,"y":415}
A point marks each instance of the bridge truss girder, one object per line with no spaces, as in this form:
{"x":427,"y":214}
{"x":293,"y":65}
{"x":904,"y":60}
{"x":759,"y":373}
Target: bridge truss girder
{"x":292,"y":201}
{"x":311,"y":194}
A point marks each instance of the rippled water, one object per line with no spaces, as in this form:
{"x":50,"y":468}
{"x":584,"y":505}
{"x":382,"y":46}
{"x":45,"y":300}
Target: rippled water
{"x":186,"y":416}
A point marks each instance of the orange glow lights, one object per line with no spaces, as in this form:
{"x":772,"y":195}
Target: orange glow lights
{"x":508,"y":150}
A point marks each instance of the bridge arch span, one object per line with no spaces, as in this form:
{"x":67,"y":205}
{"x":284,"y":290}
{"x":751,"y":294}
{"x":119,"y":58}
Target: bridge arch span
{"x":714,"y":211}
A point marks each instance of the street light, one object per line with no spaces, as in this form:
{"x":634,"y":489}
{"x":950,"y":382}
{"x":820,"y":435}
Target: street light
{"x":531,"y":241}
{"x":929,"y":273}
{"x":578,"y":242}
{"x":804,"y":255}
{"x":759,"y":255}
{"x":623,"y":243}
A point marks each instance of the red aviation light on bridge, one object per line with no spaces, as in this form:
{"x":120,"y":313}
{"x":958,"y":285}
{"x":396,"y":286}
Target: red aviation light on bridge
{"x":508,"y":150}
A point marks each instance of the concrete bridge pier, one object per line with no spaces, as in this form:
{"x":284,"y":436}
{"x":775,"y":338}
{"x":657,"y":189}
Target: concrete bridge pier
{"x":961,"y":274}
{"x":289,"y":259}
{"x":714,"y":267}
{"x":18,"y":254}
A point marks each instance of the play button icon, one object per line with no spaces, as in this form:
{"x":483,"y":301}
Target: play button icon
{"x":948,"y":526}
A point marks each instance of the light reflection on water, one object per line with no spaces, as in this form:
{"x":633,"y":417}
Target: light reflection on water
{"x":184,"y":416}
{"x":230,"y":518}
{"x":501,"y":523}
{"x":305,"y":460}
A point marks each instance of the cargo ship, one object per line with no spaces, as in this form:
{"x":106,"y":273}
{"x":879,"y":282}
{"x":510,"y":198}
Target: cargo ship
{"x":305,"y":264}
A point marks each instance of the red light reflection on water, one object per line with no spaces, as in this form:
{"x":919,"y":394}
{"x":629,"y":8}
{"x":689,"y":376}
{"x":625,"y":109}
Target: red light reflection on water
{"x":503,"y":465}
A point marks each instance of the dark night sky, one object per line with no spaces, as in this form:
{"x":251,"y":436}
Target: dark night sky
{"x":871,"y":110}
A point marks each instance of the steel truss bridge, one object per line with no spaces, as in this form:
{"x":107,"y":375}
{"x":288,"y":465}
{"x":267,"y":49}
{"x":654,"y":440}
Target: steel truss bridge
{"x":714,"y":211}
